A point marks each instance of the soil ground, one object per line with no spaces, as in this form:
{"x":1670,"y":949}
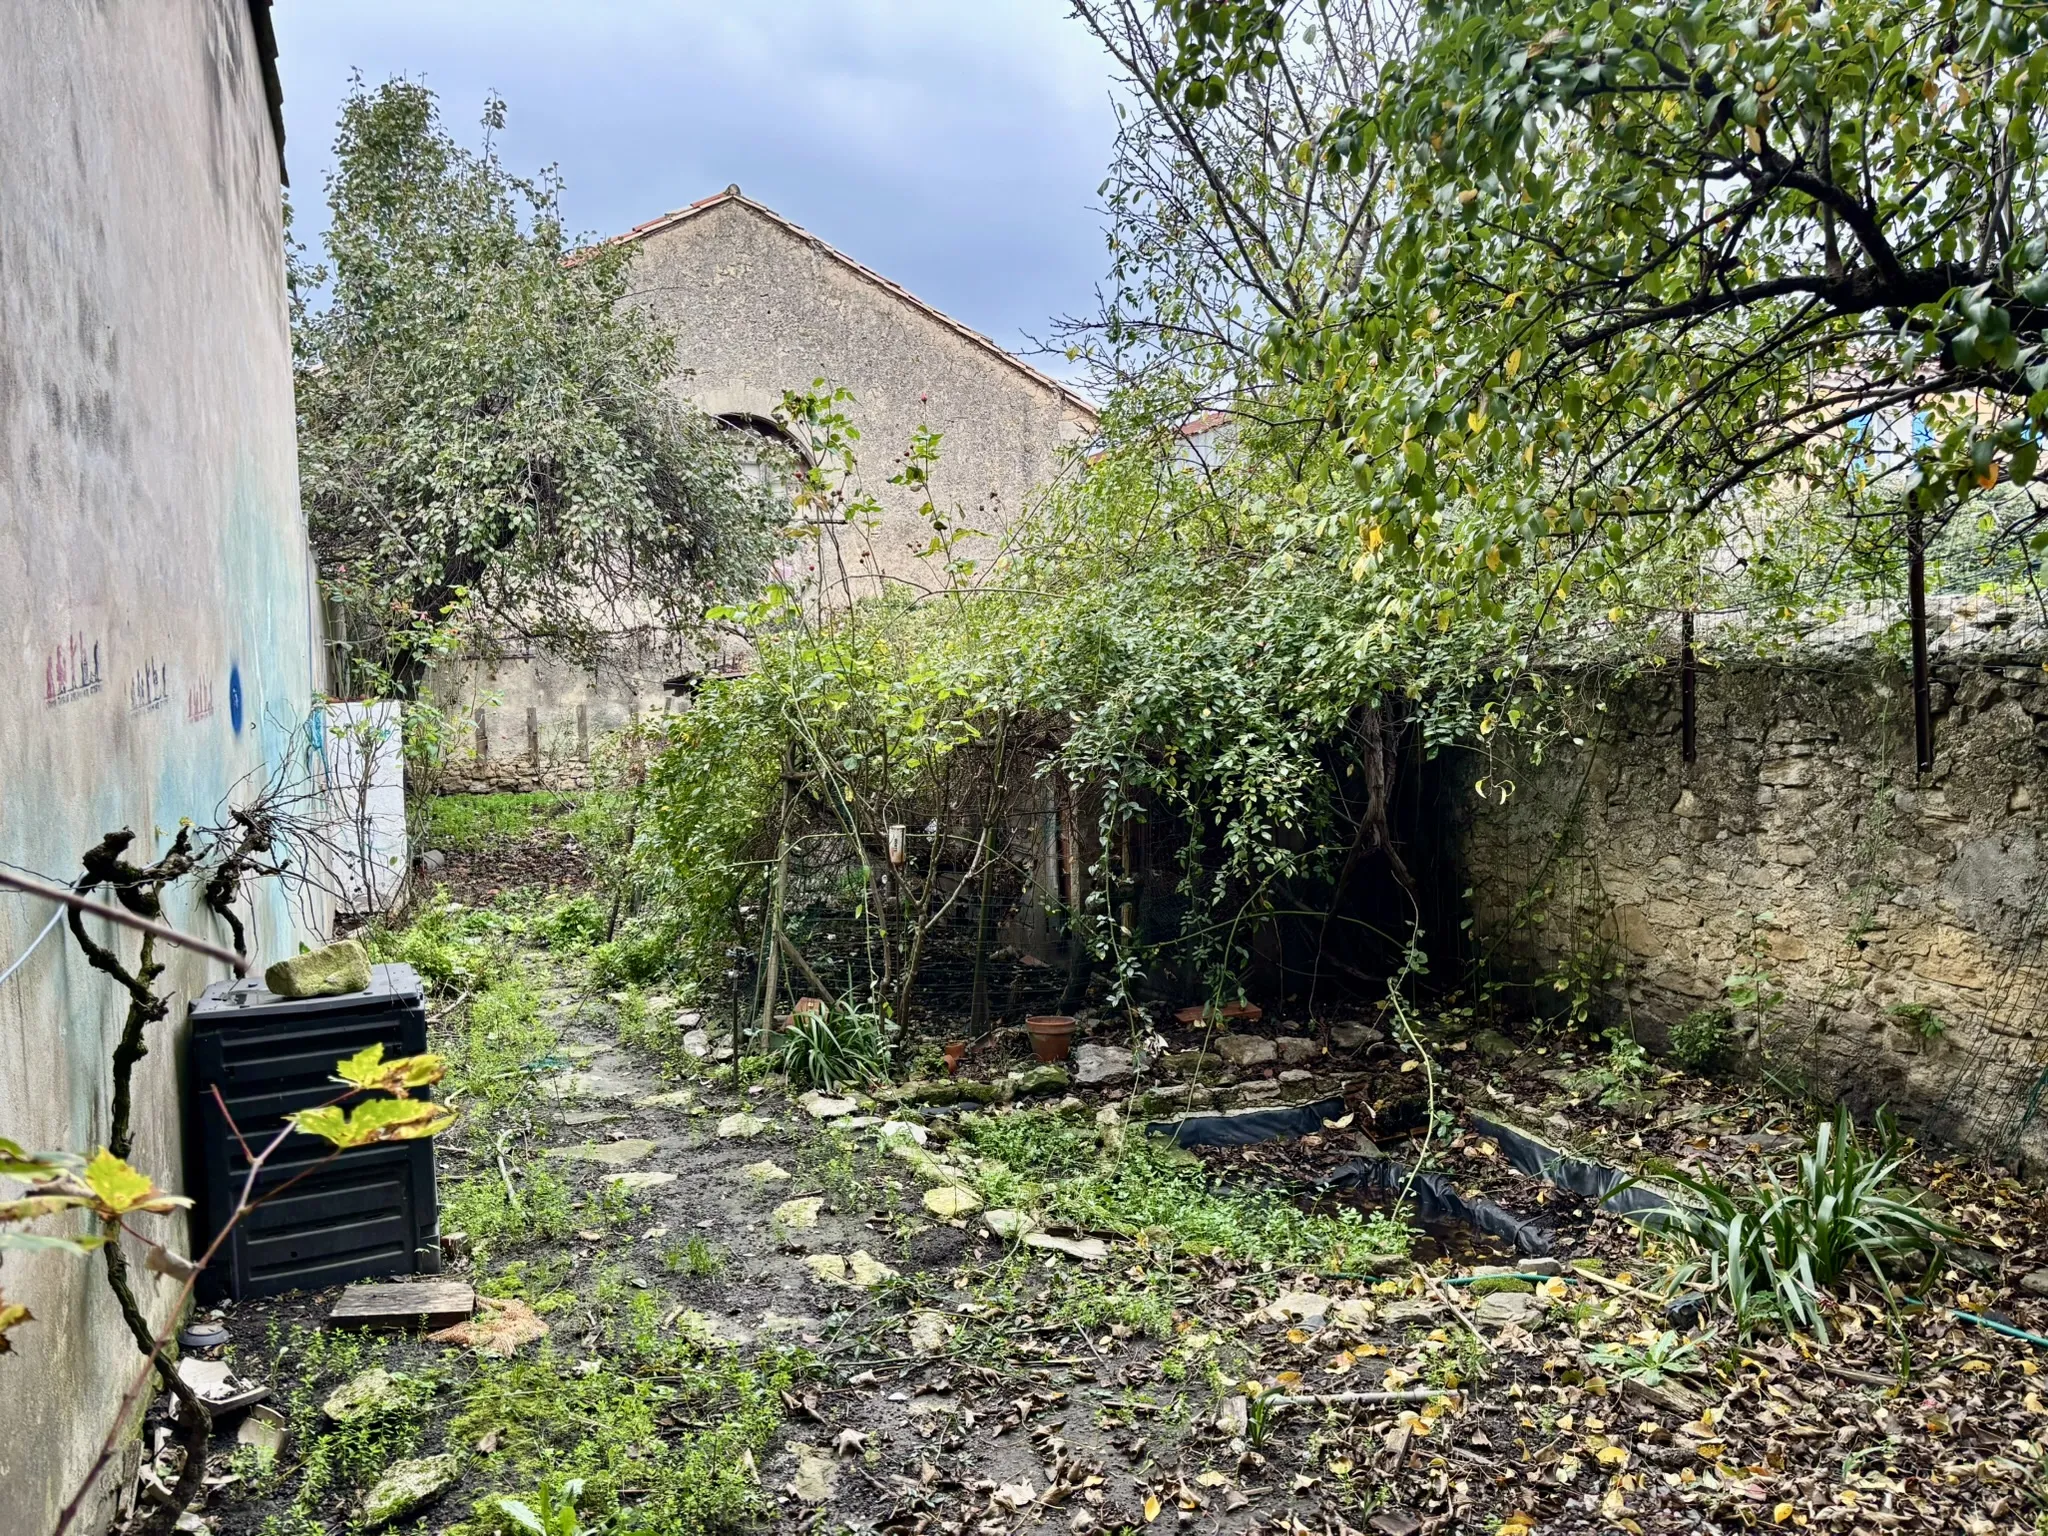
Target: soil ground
{"x":708,"y":1366}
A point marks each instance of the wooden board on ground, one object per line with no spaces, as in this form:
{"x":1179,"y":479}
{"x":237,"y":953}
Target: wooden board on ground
{"x":395,"y":1306}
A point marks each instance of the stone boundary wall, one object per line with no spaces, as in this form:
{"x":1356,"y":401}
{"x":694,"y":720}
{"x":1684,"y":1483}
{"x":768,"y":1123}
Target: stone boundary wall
{"x":1803,"y":846}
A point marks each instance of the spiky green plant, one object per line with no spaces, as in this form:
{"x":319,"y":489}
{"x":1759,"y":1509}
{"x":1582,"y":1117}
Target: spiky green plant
{"x":1776,"y":1247}
{"x":835,"y":1049}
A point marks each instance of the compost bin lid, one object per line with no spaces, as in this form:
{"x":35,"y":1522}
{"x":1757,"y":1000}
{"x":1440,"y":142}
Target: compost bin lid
{"x":248,"y":1001}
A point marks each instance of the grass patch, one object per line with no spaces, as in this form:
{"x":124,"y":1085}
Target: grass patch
{"x":666,"y":1441}
{"x":1165,"y":1195}
{"x":472,"y":823}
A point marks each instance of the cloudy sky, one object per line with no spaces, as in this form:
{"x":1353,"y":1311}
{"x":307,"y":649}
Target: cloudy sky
{"x":953,"y":145}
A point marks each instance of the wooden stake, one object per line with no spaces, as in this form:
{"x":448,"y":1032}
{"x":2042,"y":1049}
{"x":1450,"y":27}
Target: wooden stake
{"x":1688,"y":691}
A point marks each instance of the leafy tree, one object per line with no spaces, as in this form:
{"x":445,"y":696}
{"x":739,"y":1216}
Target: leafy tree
{"x":487,"y":449}
{"x":1640,"y":259}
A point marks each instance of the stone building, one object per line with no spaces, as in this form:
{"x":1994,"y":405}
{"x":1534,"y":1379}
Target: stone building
{"x":156,"y":593}
{"x":760,"y":306}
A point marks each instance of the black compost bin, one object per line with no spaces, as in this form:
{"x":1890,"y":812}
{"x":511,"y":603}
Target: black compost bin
{"x":365,"y":1213}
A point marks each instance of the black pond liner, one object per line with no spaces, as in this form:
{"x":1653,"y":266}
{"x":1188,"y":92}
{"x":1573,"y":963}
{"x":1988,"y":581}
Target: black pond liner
{"x":1437,"y":1200}
{"x":1604,"y":1186}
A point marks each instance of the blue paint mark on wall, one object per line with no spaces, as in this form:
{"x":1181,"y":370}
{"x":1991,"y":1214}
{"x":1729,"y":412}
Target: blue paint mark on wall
{"x":235,"y":697}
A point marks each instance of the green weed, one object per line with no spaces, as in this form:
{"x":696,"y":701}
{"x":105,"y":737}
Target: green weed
{"x":474,"y":823}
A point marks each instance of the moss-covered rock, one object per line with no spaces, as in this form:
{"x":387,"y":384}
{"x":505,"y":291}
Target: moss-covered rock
{"x":409,"y":1486}
{"x":1500,"y":1285}
{"x":330,"y":972}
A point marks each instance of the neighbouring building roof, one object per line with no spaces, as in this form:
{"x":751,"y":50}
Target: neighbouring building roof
{"x":732,"y":195}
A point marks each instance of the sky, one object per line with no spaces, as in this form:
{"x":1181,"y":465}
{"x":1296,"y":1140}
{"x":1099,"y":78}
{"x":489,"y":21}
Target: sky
{"x":954,"y":146}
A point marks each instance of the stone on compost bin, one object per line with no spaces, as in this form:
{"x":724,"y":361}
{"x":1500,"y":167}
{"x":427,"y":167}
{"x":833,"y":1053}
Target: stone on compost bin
{"x":329,"y":972}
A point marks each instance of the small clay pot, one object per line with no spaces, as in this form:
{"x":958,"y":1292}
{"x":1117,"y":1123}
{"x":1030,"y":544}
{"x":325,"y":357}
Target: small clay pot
{"x":955,"y":1049}
{"x":1052,"y":1035}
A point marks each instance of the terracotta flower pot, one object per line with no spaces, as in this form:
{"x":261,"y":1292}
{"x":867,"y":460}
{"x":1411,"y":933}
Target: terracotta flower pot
{"x":1052,"y":1035}
{"x":955,"y":1049}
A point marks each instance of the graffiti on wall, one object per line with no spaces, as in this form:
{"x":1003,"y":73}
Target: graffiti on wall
{"x":149,"y":689}
{"x":72,"y":671}
{"x":198,"y":701}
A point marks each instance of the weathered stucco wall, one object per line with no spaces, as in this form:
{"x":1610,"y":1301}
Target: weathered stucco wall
{"x":155,"y":602}
{"x":1802,"y":844}
{"x":759,"y":307}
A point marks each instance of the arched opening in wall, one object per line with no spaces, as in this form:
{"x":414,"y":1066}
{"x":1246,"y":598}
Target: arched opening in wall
{"x":765,"y":461}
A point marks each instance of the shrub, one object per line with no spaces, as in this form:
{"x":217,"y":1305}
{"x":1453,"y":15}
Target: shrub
{"x":1700,"y":1039}
{"x":1774,"y":1248}
{"x":831,"y":1049}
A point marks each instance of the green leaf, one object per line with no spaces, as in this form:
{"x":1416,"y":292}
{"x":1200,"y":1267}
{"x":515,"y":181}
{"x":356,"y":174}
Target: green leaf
{"x":374,"y":1121}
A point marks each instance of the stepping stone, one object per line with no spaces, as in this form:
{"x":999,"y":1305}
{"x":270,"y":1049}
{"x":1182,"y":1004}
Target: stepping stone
{"x":1504,"y":1307}
{"x":823,"y":1106}
{"x":743,"y":1126}
{"x":797,"y":1215}
{"x":859,"y":1269}
{"x":409,"y":1486}
{"x":609,"y":1154}
{"x":815,"y":1475}
{"x":909,"y":1131}
{"x":578,"y":1052}
{"x":1088,"y":1249}
{"x":592,"y":1116}
{"x":1008,"y":1224}
{"x":929,"y":1333}
{"x":776,"y":1324}
{"x":675,"y":1098}
{"x":400,"y":1305}
{"x":949,"y":1201}
{"x":764,"y":1173}
{"x":640,"y":1178}
{"x":1097,"y":1066}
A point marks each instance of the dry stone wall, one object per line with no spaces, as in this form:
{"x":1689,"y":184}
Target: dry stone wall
{"x":1895,"y":917}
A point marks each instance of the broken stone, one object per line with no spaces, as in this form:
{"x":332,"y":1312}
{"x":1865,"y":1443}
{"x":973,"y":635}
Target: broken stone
{"x":777,"y":1325}
{"x":265,"y":1431}
{"x":1246,"y":1050}
{"x":824,"y":1107}
{"x":639,"y":1178}
{"x":1088,"y":1249}
{"x":1355,"y":1037}
{"x":1504,"y":1307}
{"x":743,"y":1126}
{"x":1299,"y":1307}
{"x":815,"y":1475}
{"x":929,"y":1332}
{"x":1098,"y":1066}
{"x":697,"y":1043}
{"x":1295,"y":1050}
{"x":2035,"y":1282}
{"x":1047,"y":1077}
{"x":1493,"y":1046}
{"x":329,"y":972}
{"x":408,"y":1486}
{"x":608,"y":1154}
{"x":948,"y":1201}
{"x":1008,"y":1224}
{"x":764,"y":1173}
{"x":1410,"y":1309}
{"x":675,"y":1098}
{"x":218,"y":1386}
{"x":797,"y":1215}
{"x":901,"y":1130}
{"x":1233,"y":1417}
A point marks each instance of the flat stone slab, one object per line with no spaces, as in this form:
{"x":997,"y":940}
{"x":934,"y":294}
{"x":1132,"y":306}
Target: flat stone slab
{"x":1007,"y":1223}
{"x":394,"y":1306}
{"x":797,"y":1215}
{"x":367,"y":1394}
{"x":859,"y":1269}
{"x":609,"y":1154}
{"x":1090,"y":1250}
{"x":1246,"y":1050}
{"x":675,"y":1098}
{"x":948,"y":1201}
{"x":765,"y":1173}
{"x":640,"y":1178}
{"x":743,"y":1126}
{"x":823,"y":1106}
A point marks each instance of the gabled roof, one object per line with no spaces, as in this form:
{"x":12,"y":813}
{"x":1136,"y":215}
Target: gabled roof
{"x":669,"y":221}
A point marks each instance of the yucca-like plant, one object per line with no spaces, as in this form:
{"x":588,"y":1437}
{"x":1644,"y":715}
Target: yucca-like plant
{"x":833,"y":1049}
{"x":1775,"y":1247}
